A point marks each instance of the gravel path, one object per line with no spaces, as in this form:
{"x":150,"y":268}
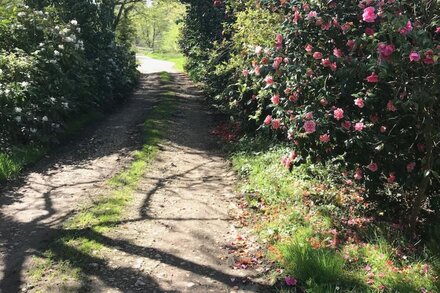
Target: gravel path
{"x":174,"y":235}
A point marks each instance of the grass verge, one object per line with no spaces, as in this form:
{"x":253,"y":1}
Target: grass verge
{"x":177,"y":58}
{"x":82,"y":237}
{"x":12,"y":164}
{"x":325,"y":235}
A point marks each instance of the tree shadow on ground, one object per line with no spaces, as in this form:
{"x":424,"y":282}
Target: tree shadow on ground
{"x":20,"y":241}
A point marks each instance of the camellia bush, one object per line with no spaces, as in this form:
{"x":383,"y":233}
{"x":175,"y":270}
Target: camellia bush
{"x":54,"y":65}
{"x":355,"y":84}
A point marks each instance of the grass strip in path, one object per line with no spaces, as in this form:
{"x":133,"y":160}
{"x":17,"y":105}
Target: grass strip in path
{"x":81,"y":238}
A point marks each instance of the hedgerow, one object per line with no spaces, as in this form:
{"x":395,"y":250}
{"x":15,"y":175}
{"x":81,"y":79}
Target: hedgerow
{"x":353,"y":84}
{"x":57,"y":59}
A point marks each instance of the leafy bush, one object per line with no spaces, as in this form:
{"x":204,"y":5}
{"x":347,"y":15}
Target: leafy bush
{"x":52,"y":66}
{"x":356,"y":82}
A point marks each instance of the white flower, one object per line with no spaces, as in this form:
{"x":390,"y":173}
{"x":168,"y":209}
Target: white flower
{"x":41,"y":44}
{"x":25,"y":84}
{"x":61,"y":47}
{"x":68,"y":40}
{"x":18,"y":110}
{"x":18,"y":119}
{"x":56,"y":53}
{"x":74,"y":22}
{"x":45,"y":119}
{"x":21,"y":14}
{"x":52,"y":99}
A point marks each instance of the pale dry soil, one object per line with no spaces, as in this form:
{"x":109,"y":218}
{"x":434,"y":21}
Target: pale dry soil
{"x":175,"y":233}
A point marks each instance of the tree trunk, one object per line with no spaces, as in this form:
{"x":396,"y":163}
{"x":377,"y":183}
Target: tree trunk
{"x":427,"y":163}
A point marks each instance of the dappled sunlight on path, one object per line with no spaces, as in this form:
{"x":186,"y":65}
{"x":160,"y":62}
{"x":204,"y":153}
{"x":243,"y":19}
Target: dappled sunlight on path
{"x":174,"y":235}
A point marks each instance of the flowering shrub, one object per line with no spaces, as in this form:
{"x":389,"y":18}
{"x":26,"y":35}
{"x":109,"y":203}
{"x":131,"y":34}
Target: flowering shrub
{"x":357,"y":82}
{"x":47,"y":73}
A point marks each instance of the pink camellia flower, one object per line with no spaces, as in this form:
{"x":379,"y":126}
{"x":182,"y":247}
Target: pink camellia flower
{"x":391,"y":107}
{"x":391,"y":177}
{"x":310,"y":126}
{"x":326,"y":26}
{"x":373,"y":167}
{"x":359,"y":126}
{"x":245,"y":72}
{"x":290,"y":281}
{"x":294,"y":97}
{"x":296,"y":16}
{"x":346,"y":125}
{"x":326,"y":62}
{"x":369,"y":31}
{"x":324,"y":138}
{"x":385,"y":50}
{"x":286,"y":60}
{"x":312,"y":14}
{"x":338,"y":53}
{"x":437,"y":31}
{"x":359,"y":102}
{"x":276,"y":123}
{"x":369,"y":14}
{"x":317,"y":55}
{"x":351,"y":44}
{"x":407,"y":28}
{"x":268,"y":120}
{"x":358,"y":174}
{"x":286,"y":162}
{"x":279,"y":39}
{"x":309,"y":48}
{"x":410,"y":167}
{"x":373,"y":78}
{"x":309,"y":72}
{"x":275,"y":99}
{"x":309,"y":116}
{"x":292,"y":156}
{"x":429,"y":57}
{"x":383,"y":129}
{"x":323,"y":102}
{"x":414,"y":57}
{"x":257,"y":70}
{"x":349,"y":182}
{"x":268,"y":80}
{"x":338,"y":114}
{"x":333,"y":66}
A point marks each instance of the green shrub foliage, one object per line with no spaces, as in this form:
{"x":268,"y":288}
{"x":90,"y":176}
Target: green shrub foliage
{"x":346,"y":82}
{"x":57,"y":59}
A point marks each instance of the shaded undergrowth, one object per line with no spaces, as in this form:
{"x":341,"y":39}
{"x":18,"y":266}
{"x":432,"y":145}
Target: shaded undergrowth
{"x":13,"y":163}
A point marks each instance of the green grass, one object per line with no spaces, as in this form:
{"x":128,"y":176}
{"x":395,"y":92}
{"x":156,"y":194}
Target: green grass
{"x":177,"y":58}
{"x":11,"y":165}
{"x":82,"y":237}
{"x":297,"y":214}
